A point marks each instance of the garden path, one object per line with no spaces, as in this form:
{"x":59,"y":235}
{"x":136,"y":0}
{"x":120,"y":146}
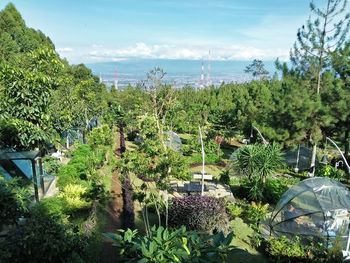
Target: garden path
{"x":114,"y":216}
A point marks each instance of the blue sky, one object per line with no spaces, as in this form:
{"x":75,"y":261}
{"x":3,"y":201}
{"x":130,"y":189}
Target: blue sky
{"x":107,"y":30}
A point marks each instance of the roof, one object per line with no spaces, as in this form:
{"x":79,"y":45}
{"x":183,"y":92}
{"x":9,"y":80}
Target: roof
{"x":24,"y":155}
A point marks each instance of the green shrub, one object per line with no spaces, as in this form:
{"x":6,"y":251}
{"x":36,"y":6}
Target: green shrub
{"x":79,"y":169}
{"x":54,"y":205}
{"x":286,"y":250}
{"x":270,"y":192}
{"x":176,"y":245}
{"x":100,"y":136}
{"x":72,"y":195}
{"x":274,"y":188}
{"x":255,"y":213}
{"x":193,"y":148}
{"x":256,"y":163}
{"x":99,"y":155}
{"x":14,"y":201}
{"x":96,"y":191}
{"x":44,"y":238}
{"x":283,"y":249}
{"x":251,"y":189}
{"x":225,"y":177}
{"x":235,"y":210}
{"x":331,"y":172}
{"x":209,"y":158}
{"x":51,"y":165}
{"x":68,"y":174}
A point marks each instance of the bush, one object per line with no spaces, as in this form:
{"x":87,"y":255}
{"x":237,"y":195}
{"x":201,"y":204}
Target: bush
{"x":256,"y":163}
{"x":44,"y":238}
{"x":331,"y":172}
{"x":100,"y":136}
{"x":69,"y":175}
{"x":51,"y":165}
{"x":225,"y":177}
{"x":14,"y":201}
{"x":201,"y":213}
{"x":80,"y":167}
{"x":275,"y":188}
{"x":213,"y":154}
{"x":210,"y":158}
{"x":55,"y":205}
{"x":176,"y":245}
{"x":235,"y":210}
{"x":72,"y":195}
{"x":96,"y":192}
{"x":270,"y":192}
{"x":283,"y":249}
{"x":255,"y":213}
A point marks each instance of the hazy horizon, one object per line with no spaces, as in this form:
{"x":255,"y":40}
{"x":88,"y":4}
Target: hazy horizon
{"x":107,"y":30}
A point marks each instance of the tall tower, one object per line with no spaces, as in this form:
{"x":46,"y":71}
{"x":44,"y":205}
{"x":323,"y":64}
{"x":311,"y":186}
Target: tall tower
{"x":101,"y":80}
{"x":201,"y":83}
{"x":116,"y":79}
{"x":209,"y":69}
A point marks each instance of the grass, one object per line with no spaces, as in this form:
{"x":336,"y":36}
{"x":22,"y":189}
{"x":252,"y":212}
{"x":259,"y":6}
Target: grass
{"x":212,"y":169}
{"x":131,"y":146}
{"x":245,"y":253}
{"x":106,"y":170}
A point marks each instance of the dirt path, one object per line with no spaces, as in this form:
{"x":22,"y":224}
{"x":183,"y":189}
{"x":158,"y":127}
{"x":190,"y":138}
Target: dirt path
{"x":114,"y":211}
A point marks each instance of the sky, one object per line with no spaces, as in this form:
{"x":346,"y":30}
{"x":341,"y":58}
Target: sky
{"x":87,"y":31}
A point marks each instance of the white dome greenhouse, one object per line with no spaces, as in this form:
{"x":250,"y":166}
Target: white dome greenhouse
{"x":316,"y":207}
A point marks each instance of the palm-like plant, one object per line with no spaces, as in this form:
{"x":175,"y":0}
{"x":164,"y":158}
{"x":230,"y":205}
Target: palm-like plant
{"x":257,"y":162}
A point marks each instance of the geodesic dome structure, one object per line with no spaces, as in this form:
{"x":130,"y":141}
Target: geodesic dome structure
{"x":316,"y":207}
{"x":172,"y":140}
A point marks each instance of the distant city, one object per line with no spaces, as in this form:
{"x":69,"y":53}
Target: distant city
{"x":179,"y":73}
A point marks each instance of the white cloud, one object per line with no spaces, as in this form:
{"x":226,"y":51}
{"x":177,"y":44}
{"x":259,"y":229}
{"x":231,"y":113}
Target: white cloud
{"x":64,"y":50}
{"x":218,"y":52}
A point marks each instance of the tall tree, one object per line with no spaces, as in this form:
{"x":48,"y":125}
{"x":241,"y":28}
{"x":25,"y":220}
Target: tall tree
{"x":257,"y":69}
{"x":322,"y":34}
{"x":25,"y":103}
{"x":339,"y":95}
{"x":319,"y":37}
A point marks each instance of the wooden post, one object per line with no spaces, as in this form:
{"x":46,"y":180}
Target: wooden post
{"x":35,"y":182}
{"x":203,"y":160}
{"x":41,"y":172}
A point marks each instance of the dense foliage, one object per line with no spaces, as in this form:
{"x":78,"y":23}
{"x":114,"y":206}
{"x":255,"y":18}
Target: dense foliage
{"x":284,"y":249}
{"x":256,"y":163}
{"x":14,"y":201}
{"x":176,"y":245}
{"x":301,"y":105}
{"x":43,"y":238}
{"x":38,"y":88}
{"x":201,"y":213}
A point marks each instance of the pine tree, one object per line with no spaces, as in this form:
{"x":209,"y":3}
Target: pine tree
{"x":319,"y":37}
{"x":312,"y":51}
{"x":257,"y":69}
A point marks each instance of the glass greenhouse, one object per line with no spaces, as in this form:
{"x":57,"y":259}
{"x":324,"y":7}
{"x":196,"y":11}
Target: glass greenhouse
{"x":173,"y":141}
{"x":316,"y":207}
